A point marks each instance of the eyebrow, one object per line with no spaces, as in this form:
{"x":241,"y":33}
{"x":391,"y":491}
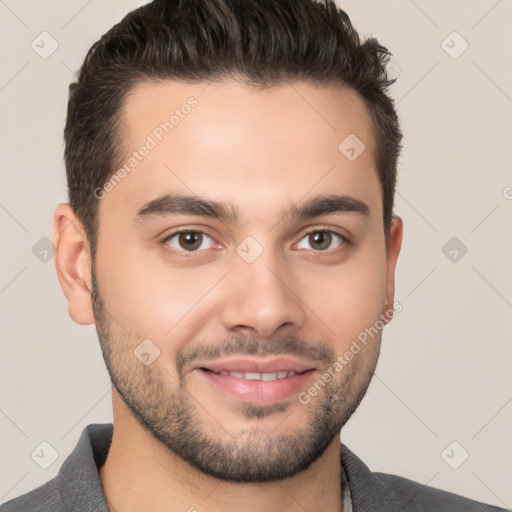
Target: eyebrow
{"x":178,"y":204}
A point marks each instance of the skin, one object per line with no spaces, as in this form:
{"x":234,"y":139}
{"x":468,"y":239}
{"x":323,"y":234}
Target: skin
{"x":262,"y":152}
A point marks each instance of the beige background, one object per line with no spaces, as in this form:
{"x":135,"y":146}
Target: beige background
{"x":444,"y":374}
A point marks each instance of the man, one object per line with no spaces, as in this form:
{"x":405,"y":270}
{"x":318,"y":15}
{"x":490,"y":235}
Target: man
{"x":231,"y":169}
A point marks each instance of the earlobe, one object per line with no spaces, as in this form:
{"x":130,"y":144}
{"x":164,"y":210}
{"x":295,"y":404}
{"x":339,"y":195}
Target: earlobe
{"x":393,"y":250}
{"x":73,"y":263}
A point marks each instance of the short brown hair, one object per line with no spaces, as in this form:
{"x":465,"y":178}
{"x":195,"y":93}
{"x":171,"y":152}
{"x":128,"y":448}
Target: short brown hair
{"x":261,"y":42}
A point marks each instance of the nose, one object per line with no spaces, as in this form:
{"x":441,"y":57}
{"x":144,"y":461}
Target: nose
{"x":261,"y":298}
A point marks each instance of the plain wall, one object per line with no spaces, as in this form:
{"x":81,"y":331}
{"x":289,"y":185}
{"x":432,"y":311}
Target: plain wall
{"x":445,"y":368}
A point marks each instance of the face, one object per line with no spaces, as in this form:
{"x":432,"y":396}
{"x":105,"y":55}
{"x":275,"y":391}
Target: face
{"x":238,"y":259}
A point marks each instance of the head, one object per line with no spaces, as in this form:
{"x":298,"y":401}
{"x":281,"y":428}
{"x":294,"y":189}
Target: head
{"x":231,"y":170}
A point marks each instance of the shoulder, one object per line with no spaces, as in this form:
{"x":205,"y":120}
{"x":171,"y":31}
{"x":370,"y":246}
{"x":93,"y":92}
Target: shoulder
{"x":380,"y":492}
{"x":421,"y":497}
{"x":45,"y":498}
{"x":77,"y":485}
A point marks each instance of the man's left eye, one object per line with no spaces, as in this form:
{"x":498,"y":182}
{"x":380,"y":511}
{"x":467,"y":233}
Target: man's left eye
{"x":321,"y":240}
{"x":190,"y":241}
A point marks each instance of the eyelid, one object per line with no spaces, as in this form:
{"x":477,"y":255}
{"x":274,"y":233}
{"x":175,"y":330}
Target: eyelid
{"x":316,"y":229}
{"x":186,"y":230}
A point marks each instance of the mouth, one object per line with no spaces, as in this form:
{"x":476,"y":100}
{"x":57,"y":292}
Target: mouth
{"x":268,"y":376}
{"x":258,"y":382}
{"x":254,"y":365}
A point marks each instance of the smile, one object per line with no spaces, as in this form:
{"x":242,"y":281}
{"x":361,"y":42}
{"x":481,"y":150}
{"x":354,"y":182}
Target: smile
{"x":258,"y":376}
{"x":261,"y":388}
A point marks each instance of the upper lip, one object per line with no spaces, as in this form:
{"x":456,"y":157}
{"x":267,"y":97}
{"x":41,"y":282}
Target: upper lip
{"x":267,"y":365}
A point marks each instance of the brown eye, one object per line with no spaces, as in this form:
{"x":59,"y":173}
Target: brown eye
{"x":190,"y":241}
{"x":322,"y":240}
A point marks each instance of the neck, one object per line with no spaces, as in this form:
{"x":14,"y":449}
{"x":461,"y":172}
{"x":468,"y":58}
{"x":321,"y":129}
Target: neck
{"x":140,"y":473}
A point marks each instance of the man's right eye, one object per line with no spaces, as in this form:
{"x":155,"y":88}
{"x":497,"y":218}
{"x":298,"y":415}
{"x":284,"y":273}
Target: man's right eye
{"x":187,"y":240}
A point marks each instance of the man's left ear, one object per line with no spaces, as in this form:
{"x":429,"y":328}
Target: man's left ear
{"x":393,"y":250}
{"x":73,"y":263}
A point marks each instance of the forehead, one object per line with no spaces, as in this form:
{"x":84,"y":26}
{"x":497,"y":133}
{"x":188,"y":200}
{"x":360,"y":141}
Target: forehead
{"x":246,"y":145}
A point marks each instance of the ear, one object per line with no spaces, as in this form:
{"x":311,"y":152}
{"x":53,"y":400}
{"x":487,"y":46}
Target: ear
{"x":393,"y":250}
{"x":73,"y":263}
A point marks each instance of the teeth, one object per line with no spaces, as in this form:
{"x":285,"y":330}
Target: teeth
{"x":259,"y":376}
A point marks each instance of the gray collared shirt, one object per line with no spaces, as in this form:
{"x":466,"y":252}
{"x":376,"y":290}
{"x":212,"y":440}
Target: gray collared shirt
{"x":77,"y":486}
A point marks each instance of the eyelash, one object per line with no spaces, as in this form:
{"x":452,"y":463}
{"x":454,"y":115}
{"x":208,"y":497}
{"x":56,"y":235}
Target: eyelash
{"x":193,"y":254}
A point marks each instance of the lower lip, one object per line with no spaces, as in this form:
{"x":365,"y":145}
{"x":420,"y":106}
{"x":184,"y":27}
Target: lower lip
{"x":262,"y":392}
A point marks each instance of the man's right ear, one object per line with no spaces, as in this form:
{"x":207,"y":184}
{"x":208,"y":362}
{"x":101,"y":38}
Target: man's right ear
{"x":73,"y":263}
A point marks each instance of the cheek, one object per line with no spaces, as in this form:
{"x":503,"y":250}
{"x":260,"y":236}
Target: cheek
{"x":151,"y":300}
{"x":348,"y":299}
